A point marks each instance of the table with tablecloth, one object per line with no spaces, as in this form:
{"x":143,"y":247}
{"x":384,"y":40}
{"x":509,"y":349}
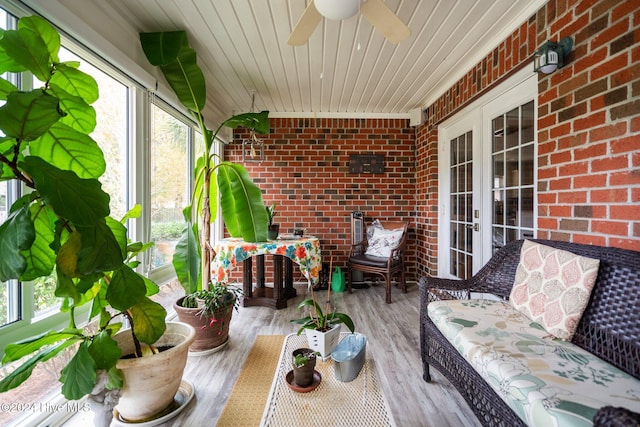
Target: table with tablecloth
{"x":304,"y":251}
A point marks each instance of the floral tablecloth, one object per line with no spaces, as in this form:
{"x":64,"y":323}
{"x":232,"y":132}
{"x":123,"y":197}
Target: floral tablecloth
{"x":304,"y":251}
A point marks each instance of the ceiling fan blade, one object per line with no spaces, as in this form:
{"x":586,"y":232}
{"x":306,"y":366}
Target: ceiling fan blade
{"x":305,"y":26}
{"x":385,"y":21}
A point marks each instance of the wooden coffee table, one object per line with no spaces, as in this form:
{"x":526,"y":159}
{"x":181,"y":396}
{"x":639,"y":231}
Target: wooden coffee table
{"x":333,"y":403}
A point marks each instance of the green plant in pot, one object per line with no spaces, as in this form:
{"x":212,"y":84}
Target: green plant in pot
{"x":61,"y":225}
{"x":274,"y":229}
{"x":304,"y":363}
{"x":322,"y":327}
{"x":241,"y":202}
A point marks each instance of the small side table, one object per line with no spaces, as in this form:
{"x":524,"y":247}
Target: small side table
{"x":262,"y":295}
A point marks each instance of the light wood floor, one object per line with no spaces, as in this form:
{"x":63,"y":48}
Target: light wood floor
{"x":393,"y":341}
{"x":393,"y":337}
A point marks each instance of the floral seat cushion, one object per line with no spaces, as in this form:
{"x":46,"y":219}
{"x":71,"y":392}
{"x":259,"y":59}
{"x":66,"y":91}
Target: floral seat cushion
{"x":547,"y":382}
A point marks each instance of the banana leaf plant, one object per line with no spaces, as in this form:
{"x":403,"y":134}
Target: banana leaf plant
{"x":61,"y":226}
{"x":241,"y":203}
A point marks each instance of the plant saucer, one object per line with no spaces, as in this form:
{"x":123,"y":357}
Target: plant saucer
{"x":183,"y":396}
{"x":209,"y":350}
{"x":293,"y":386}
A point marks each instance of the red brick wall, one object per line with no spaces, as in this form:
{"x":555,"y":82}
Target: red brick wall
{"x":588,"y":143}
{"x":306,"y":174}
{"x":588,"y":125}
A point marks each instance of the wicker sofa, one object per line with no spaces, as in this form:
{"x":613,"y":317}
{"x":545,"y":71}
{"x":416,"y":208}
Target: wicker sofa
{"x":608,"y":329}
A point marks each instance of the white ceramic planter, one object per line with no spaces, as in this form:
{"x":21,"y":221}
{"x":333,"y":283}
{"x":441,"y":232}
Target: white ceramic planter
{"x":151,"y":382}
{"x":323,"y":342}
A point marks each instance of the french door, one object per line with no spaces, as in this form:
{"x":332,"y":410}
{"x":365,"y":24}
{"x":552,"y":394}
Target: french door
{"x":487,"y":174}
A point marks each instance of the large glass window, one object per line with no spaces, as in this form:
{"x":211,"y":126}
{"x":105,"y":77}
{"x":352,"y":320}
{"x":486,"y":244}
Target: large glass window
{"x":170,"y":140}
{"x":9,"y":291}
{"x":111,"y":135}
{"x":147,"y":147}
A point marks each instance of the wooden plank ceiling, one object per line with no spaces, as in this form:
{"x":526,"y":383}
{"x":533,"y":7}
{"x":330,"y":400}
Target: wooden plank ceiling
{"x":346,"y":69}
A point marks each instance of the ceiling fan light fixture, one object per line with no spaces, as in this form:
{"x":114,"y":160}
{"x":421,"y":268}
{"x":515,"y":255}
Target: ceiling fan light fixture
{"x":337,"y":9}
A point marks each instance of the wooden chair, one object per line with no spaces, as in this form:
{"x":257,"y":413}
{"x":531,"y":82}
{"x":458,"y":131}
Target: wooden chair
{"x":382,"y":266}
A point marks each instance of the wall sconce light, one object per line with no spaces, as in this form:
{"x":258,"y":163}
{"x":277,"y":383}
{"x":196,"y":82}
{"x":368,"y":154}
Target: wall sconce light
{"x":551,"y":55}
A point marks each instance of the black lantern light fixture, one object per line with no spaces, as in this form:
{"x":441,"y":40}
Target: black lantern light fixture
{"x":551,"y":55}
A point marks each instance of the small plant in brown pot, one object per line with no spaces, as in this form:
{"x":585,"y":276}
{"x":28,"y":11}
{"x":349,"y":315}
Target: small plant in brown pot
{"x":304,"y":363}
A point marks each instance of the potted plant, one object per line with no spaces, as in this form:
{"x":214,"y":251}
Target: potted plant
{"x":241,"y":202}
{"x":323,"y":330}
{"x":304,"y":363}
{"x":62,"y":225}
{"x":273,"y":229}
{"x":210,"y":313}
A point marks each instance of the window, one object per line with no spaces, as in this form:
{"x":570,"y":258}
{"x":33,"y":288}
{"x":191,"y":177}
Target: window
{"x":9,"y":291}
{"x":147,"y":146}
{"x":170,"y":141}
{"x":9,"y":296}
{"x":111,"y":135}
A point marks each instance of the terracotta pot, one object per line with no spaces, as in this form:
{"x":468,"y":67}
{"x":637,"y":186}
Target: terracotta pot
{"x":209,"y":334}
{"x":151,"y":382}
{"x":303,"y":375}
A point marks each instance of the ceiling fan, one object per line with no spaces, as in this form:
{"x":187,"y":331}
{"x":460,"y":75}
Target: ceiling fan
{"x":375,"y":11}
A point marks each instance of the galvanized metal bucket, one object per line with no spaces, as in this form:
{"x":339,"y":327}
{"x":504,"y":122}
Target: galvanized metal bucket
{"x":348,"y":357}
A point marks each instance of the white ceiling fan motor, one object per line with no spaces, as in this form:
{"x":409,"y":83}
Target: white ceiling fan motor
{"x":337,"y":9}
{"x":375,"y":11}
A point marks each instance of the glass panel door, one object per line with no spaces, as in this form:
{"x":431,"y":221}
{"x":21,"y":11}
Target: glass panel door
{"x":461,"y":218}
{"x":512,"y":161}
{"x":487,"y":161}
{"x":459,"y":176}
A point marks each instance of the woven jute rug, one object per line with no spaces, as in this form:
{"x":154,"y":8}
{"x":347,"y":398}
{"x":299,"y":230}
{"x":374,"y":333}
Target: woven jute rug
{"x":246,"y":403}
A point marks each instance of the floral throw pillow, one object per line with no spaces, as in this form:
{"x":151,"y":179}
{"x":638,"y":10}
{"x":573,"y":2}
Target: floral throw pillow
{"x":552,"y":287}
{"x":383,"y":242}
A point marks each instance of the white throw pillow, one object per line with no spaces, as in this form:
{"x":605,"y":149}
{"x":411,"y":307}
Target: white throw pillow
{"x":376,"y":224}
{"x":383,"y":242}
{"x":552,"y":287}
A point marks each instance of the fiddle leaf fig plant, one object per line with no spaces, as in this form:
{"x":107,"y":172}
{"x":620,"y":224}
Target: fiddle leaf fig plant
{"x":61,"y":225}
{"x":241,"y":203}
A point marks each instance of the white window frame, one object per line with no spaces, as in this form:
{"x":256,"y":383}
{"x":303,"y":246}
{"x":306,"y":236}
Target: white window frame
{"x":164,"y":273}
{"x":138,"y":184}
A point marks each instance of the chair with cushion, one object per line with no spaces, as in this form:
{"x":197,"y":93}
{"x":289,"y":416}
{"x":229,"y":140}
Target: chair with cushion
{"x":381,"y":253}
